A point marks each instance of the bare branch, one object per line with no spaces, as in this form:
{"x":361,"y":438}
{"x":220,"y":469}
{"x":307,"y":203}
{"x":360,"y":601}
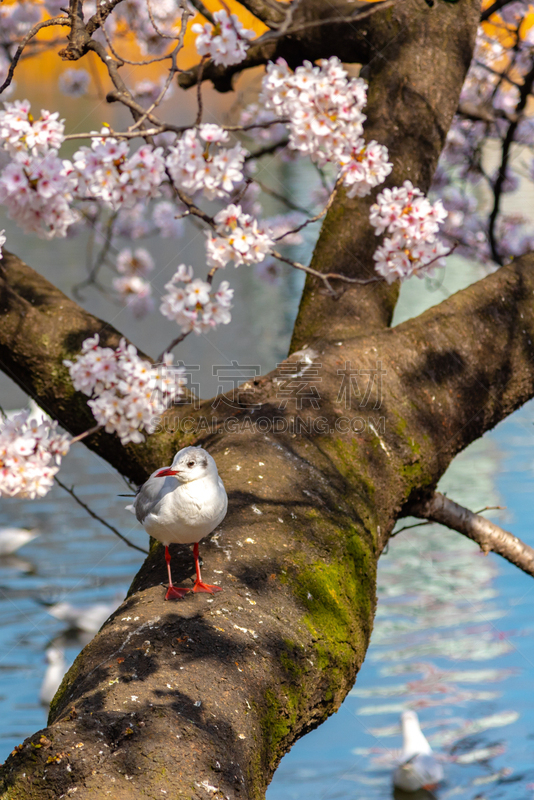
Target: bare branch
{"x":65,"y":21}
{"x":270,"y":12}
{"x":486,"y":534}
{"x":95,"y":516}
{"x":524,"y":94}
{"x":201,"y":8}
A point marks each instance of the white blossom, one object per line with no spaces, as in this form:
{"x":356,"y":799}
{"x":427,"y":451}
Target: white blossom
{"x":324,"y":109}
{"x":166,"y":216}
{"x":107,"y":172}
{"x":37,"y":191}
{"x":413,"y":222}
{"x":193,"y":304}
{"x":195,"y":167}
{"x":135,"y":293}
{"x":21,"y":132}
{"x":127,"y":392}
{"x":74,"y":82}
{"x":136,"y":262}
{"x":239,"y":238}
{"x":227,"y":42}
{"x":30,"y":455}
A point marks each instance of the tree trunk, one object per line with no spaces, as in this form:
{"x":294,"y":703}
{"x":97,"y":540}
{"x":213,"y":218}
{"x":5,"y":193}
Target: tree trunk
{"x":201,"y":698}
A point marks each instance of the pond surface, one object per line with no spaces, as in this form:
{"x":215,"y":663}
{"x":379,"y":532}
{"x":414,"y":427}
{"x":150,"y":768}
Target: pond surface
{"x":453,"y":634}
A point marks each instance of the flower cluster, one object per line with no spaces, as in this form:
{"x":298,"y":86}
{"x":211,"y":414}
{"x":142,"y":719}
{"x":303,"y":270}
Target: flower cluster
{"x":20,"y":132}
{"x":107,"y":172}
{"x":194,"y":168}
{"x":193,"y":304}
{"x":16,"y":19}
{"x":227,"y":42}
{"x":413,"y":222}
{"x":240,"y":239}
{"x":30,"y":455}
{"x":74,"y":82}
{"x":135,"y":13}
{"x":324,"y":109}
{"x":134,"y":291}
{"x":128,"y":393}
{"x":37,"y":191}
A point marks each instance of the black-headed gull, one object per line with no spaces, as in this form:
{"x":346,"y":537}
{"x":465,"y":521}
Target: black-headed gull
{"x":13,"y":538}
{"x":419,"y":767}
{"x":181,"y":504}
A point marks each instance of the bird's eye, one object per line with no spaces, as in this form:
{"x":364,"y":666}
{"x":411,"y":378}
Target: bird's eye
{"x":190,"y":463}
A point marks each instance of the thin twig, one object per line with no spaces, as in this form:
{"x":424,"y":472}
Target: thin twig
{"x":502,"y":174}
{"x":64,"y":21}
{"x":97,"y":517}
{"x":317,"y":216}
{"x":172,"y":345}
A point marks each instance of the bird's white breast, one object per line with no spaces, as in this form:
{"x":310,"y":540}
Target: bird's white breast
{"x":188,"y":512}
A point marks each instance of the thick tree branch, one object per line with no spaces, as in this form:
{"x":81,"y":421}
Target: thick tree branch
{"x":317,"y":30}
{"x":271,"y":12}
{"x":489,"y":536}
{"x":409,"y":109}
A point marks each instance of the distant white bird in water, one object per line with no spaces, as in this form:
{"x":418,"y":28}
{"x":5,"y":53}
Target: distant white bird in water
{"x":57,"y":666}
{"x":419,"y":767}
{"x":13,"y":538}
{"x":87,"y":618}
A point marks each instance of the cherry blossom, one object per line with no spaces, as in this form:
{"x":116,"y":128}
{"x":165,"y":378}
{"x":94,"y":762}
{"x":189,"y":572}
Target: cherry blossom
{"x":134,"y":13}
{"x":166,"y":216}
{"x":227,"y":42}
{"x":413,"y":222}
{"x":30,"y":455}
{"x":74,"y":82}
{"x":324,"y":108}
{"x":195,"y":167}
{"x":135,"y":293}
{"x":128,"y":394}
{"x":37,"y":191}
{"x":137,"y":262}
{"x":193,"y":304}
{"x":20,"y":132}
{"x":239,"y":238}
{"x":108,"y":173}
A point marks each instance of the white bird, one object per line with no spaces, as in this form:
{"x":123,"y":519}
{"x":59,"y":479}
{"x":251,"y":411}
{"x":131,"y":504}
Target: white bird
{"x":88,"y":618}
{"x":182,"y":504}
{"x":419,"y":767}
{"x":57,"y":666}
{"x":13,"y":538}
{"x":36,"y":412}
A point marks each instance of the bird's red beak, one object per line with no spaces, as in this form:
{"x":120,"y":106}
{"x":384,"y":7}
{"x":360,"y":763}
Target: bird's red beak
{"x":167,"y":471}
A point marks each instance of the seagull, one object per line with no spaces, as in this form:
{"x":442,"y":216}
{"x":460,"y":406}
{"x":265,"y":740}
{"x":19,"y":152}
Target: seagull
{"x":182,"y":504}
{"x":57,"y":666}
{"x":13,"y":538}
{"x":88,"y":619}
{"x":419,"y":768}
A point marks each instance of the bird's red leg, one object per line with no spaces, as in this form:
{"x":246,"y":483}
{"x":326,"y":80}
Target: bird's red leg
{"x":173,"y":592}
{"x":200,"y":586}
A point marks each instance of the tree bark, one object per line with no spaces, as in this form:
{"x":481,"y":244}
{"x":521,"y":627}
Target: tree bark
{"x":201,"y":698}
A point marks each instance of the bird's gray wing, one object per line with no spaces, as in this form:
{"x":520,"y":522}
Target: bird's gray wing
{"x":148,"y":497}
